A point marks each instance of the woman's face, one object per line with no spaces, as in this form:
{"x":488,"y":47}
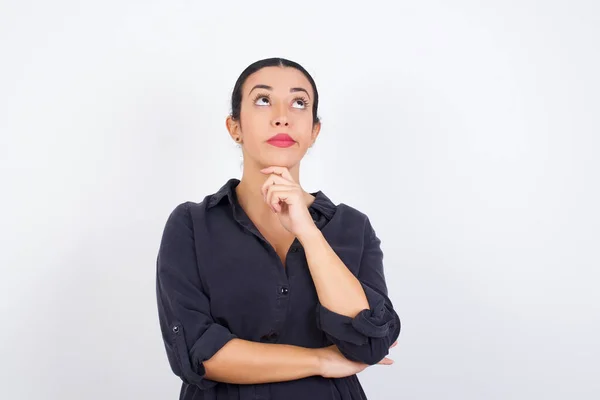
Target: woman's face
{"x":275,"y":100}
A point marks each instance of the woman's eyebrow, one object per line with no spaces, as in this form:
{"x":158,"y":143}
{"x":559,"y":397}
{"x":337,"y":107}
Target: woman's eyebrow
{"x":299,"y":89}
{"x":296,"y":89}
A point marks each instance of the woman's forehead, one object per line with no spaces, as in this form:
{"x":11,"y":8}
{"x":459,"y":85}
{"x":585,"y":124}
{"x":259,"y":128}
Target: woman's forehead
{"x":278,"y":78}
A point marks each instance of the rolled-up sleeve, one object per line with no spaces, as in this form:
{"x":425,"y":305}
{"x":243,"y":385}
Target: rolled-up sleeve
{"x":190,"y":334}
{"x":368,"y":336}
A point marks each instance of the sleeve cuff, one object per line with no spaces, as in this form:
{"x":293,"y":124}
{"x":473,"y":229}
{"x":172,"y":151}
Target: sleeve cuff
{"x":368,"y":323}
{"x":215,"y":337}
{"x":211,"y":341}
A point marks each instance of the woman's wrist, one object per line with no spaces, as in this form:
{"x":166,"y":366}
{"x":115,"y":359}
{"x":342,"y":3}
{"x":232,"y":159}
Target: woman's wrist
{"x":318,"y":361}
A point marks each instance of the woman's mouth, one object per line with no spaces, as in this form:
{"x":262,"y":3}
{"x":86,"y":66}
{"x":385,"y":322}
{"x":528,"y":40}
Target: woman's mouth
{"x":281,"y":140}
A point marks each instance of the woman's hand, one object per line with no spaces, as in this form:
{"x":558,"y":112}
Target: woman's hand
{"x":333,"y":364}
{"x":288,"y":200}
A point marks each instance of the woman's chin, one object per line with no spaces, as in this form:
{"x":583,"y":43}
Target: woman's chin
{"x":280,"y":160}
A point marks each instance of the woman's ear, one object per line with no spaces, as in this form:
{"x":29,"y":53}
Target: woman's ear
{"x":233,"y":127}
{"x":315,"y":132}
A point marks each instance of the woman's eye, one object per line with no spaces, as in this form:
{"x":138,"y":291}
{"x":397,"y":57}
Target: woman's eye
{"x":299,"y":103}
{"x":261,"y":101}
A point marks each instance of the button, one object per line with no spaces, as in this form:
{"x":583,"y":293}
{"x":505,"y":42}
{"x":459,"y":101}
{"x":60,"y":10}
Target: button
{"x":176,"y":329}
{"x":294,"y":249}
{"x":284,"y":290}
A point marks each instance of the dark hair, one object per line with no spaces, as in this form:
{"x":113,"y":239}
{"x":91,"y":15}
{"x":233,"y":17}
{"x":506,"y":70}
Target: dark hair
{"x":236,"y":96}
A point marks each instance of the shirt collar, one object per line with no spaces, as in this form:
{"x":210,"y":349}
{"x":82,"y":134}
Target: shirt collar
{"x":322,"y":203}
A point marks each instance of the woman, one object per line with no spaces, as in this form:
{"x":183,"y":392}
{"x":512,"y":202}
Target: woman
{"x":266,"y":291}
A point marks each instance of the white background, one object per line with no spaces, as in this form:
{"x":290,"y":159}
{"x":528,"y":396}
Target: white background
{"x":468,"y":131}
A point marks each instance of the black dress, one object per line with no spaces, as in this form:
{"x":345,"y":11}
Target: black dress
{"x":218,"y":279}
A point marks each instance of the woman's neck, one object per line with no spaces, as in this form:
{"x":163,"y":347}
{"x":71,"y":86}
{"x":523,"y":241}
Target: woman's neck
{"x":249,"y":194}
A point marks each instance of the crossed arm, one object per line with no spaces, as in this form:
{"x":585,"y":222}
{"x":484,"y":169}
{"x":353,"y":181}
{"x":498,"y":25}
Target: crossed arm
{"x":355,"y":313}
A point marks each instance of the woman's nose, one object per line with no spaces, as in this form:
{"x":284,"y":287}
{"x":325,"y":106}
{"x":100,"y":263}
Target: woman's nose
{"x":280,"y":117}
{"x":281,"y":121}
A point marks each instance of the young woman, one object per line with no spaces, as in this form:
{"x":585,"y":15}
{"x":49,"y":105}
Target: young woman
{"x":266,"y":291}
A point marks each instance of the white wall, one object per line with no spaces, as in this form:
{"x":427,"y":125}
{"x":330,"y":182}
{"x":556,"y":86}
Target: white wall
{"x":479,"y":129}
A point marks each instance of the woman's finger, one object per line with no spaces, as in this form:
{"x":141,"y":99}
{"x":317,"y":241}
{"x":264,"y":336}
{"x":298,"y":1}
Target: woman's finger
{"x":277,"y":193}
{"x":283,"y":171}
{"x":386,"y":361}
{"x":275,"y":180}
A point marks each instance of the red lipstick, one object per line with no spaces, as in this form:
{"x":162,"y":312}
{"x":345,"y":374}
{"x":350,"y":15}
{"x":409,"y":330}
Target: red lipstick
{"x":281,"y":140}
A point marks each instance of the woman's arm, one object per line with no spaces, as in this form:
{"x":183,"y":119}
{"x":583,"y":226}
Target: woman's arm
{"x":245,"y":362}
{"x":354,"y":311}
{"x":337,"y":287}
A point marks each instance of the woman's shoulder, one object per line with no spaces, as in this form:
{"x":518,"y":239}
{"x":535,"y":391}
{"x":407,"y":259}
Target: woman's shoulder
{"x":352,"y":216}
{"x":342,"y":210}
{"x":210,"y":200}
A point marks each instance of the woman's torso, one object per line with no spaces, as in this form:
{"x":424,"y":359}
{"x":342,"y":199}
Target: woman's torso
{"x":266,"y":295}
